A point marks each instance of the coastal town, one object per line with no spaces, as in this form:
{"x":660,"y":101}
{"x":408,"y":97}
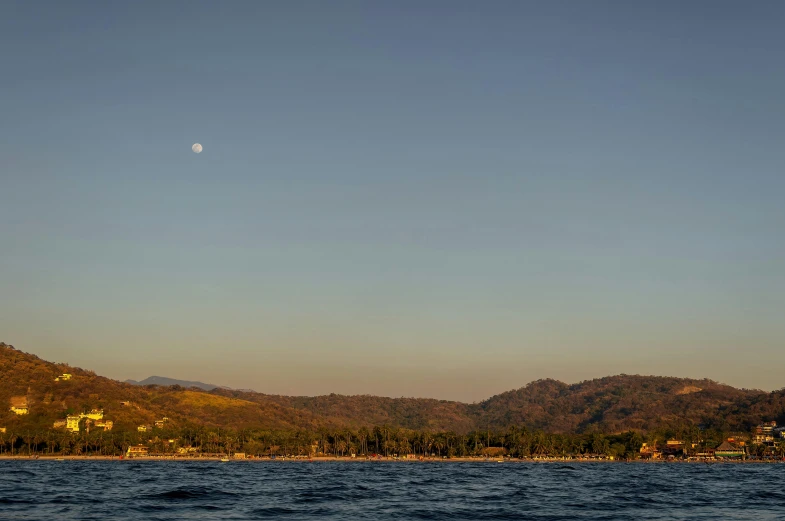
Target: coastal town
{"x":55,"y":410}
{"x":91,"y":433}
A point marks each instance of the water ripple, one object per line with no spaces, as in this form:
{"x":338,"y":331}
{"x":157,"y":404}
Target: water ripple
{"x":381,"y":491}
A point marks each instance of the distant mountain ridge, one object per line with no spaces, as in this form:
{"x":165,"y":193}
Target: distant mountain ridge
{"x":164,"y":381}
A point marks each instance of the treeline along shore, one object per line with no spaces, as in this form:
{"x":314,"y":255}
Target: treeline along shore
{"x":57,"y":410}
{"x":382,"y":442}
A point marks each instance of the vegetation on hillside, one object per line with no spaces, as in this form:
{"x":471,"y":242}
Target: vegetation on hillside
{"x":611,"y":416}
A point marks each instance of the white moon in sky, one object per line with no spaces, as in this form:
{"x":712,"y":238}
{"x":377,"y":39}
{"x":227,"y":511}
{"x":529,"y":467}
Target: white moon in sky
{"x":196,"y":148}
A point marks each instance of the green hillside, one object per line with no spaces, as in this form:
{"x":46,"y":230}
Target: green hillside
{"x":612,"y":406}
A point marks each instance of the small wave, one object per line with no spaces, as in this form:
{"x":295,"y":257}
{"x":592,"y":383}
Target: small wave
{"x":767,"y":495}
{"x":9,"y":501}
{"x":62,"y":499}
{"x":189,"y":493}
{"x":318,"y":496}
{"x":273,"y":512}
{"x":20,"y":473}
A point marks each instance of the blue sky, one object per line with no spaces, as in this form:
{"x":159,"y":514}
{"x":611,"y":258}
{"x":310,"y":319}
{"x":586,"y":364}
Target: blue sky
{"x":443,"y":199}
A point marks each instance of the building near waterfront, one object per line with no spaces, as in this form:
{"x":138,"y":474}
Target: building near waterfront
{"x":764,"y":433}
{"x":136,"y":451}
{"x":650,"y":451}
{"x":729,"y":450}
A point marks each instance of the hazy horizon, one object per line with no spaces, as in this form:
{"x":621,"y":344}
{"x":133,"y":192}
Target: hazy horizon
{"x":207,"y":380}
{"x":447,"y":200}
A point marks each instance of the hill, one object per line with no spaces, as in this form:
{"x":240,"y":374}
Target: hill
{"x":164,"y":381}
{"x":624,"y":402}
{"x":367,"y":411}
{"x":127,"y":405}
{"x":610,"y":405}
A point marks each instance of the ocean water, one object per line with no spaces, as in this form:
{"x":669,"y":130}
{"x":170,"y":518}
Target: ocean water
{"x":127,"y":490}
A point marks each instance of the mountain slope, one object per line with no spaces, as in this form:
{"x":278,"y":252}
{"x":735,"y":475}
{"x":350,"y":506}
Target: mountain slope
{"x":365,"y":410}
{"x":128,"y":406}
{"x":164,"y":381}
{"x":612,"y":404}
{"x":618,"y":403}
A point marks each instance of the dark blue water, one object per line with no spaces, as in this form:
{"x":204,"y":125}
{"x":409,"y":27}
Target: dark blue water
{"x":122,"y":490}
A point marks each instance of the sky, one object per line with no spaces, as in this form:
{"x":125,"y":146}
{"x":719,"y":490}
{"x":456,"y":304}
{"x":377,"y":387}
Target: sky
{"x":442,"y":199}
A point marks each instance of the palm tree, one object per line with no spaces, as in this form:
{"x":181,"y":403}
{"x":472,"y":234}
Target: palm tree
{"x":378,"y":436}
{"x":27,"y":438}
{"x":439,"y":443}
{"x":600,"y":444}
{"x":427,"y":443}
{"x":404,"y":447}
{"x":65,"y":444}
{"x":384,"y":431}
{"x":363,"y":436}
{"x":402,"y":442}
{"x":388,"y":446}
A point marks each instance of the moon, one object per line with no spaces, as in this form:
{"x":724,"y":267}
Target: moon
{"x":196,"y":148}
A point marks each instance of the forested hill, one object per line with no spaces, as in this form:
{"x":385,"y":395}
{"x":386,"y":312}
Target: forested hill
{"x":624,"y":402}
{"x":366,"y":410}
{"x":612,"y":404}
{"x":26,"y":376}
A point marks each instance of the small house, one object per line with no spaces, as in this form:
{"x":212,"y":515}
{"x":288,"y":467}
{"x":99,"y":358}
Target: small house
{"x":650,"y":451}
{"x":95,"y":414}
{"x":137,"y":451}
{"x":72,"y":422}
{"x":104,"y":424}
{"x":19,"y":405}
{"x":704,"y":453}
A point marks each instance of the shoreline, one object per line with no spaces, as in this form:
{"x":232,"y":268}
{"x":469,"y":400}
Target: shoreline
{"x":375,"y":460}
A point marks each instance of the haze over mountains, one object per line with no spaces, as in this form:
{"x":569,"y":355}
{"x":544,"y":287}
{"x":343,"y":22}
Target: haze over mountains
{"x":611,"y":404}
{"x":162,"y":380}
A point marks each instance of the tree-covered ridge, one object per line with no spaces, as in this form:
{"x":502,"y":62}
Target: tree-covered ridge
{"x":128,"y":406}
{"x":620,"y":403}
{"x":609,"y":405}
{"x":366,"y":410}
